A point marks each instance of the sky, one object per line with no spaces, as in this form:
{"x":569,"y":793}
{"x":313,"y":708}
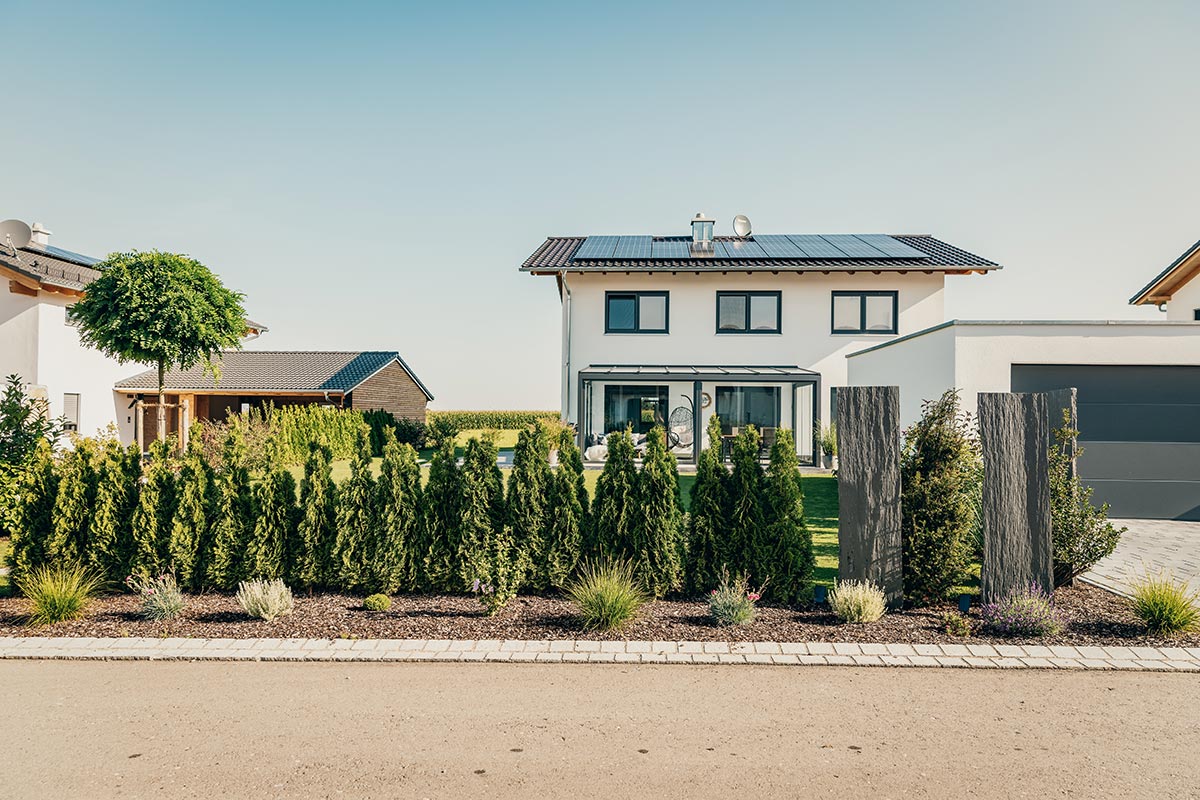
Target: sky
{"x":372,"y":175}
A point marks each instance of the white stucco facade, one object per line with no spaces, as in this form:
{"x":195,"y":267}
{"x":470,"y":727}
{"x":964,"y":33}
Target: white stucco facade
{"x":1184,"y":305}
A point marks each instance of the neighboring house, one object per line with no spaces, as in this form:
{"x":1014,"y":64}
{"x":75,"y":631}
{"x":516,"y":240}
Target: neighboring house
{"x":754,"y":328}
{"x":364,"y":380}
{"x":1176,"y":289}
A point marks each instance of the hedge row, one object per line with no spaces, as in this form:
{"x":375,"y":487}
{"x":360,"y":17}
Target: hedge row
{"x":492,"y":420}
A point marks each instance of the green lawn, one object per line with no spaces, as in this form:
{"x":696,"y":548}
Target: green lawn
{"x":821,"y":513}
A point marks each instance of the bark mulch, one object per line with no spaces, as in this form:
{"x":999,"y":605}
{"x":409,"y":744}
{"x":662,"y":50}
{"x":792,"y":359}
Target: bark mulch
{"x":1096,"y":617}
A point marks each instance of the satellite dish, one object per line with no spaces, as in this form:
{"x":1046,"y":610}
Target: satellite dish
{"x":15,"y":233}
{"x":741,"y":225}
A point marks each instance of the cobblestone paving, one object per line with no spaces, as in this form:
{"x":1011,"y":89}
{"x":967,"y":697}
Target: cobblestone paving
{"x":1153,"y":543}
{"x":632,"y":652}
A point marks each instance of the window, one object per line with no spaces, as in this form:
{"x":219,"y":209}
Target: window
{"x":1196,"y":315}
{"x":748,"y":312}
{"x":71,"y":411}
{"x":738,"y":406}
{"x":638,"y":407}
{"x":865,"y":312}
{"x":635,"y":312}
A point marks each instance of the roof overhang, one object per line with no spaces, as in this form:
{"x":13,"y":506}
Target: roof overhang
{"x":1170,"y":280}
{"x":662,"y":372}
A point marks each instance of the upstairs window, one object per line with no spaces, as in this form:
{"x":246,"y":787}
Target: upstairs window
{"x":748,"y":312}
{"x":1196,"y":315}
{"x":636,"y":312}
{"x":71,"y":411}
{"x":865,"y":312}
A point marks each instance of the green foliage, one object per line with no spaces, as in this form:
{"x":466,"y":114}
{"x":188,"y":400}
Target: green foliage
{"x":440,"y":431}
{"x":528,"y":506}
{"x":567,"y":508}
{"x":194,"y":512}
{"x":1023,"y":612}
{"x":732,"y":602}
{"x":1166,"y":605}
{"x":152,"y":516}
{"x":390,"y":547}
{"x":658,"y":543}
{"x":275,"y":526}
{"x":225,"y":563}
{"x":747,"y":549}
{"x":827,"y":438}
{"x":956,"y":624}
{"x":706,"y":551}
{"x":491,"y":420}
{"x":1081,"y":533}
{"x":789,"y":569}
{"x":355,"y":518}
{"x":606,"y":595}
{"x":377,"y":602}
{"x":73,"y":505}
{"x":488,"y":559}
{"x":24,"y":423}
{"x":266,"y":600}
{"x":35,"y":515}
{"x":161,"y":597}
{"x":857,"y":601}
{"x":614,"y":510}
{"x":442,"y":531}
{"x":939,"y":467}
{"x":110,"y":528}
{"x":382,"y":423}
{"x":58,"y":592}
{"x":315,"y":532}
{"x":282,"y":434}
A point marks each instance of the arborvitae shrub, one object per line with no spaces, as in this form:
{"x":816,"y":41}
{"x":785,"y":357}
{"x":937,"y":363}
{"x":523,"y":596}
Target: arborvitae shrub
{"x":38,"y":488}
{"x":390,"y":546}
{"x":1081,"y":532}
{"x":658,"y":547}
{"x":488,"y":560}
{"x":355,"y":517}
{"x":442,"y":531}
{"x":275,"y":525}
{"x":226,"y":563}
{"x":528,"y":505}
{"x":614,"y":511}
{"x":73,"y":506}
{"x":152,"y":516}
{"x":745,"y":544}
{"x":568,"y":513}
{"x":707,"y":527}
{"x":193,"y":514}
{"x":110,"y":532}
{"x":791,"y":564}
{"x":938,"y":462}
{"x":318,"y":504}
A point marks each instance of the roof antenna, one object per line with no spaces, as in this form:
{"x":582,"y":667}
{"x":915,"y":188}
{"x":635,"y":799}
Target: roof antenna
{"x":15,"y":234}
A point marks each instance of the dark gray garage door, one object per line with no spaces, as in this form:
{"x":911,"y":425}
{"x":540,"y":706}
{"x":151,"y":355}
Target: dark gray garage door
{"x":1140,"y":429}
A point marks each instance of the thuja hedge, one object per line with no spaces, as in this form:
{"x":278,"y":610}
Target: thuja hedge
{"x":214,"y":525}
{"x":492,"y":420}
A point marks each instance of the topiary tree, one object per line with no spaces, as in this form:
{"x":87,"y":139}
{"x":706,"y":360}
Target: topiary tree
{"x":151,"y":523}
{"x":488,"y":559}
{"x":390,"y":547}
{"x":355,"y":517}
{"x":658,"y":544}
{"x":275,"y":524}
{"x":225,"y":564}
{"x":567,"y":506}
{"x":162,"y":310}
{"x":614,"y":512}
{"x":790,"y":571}
{"x":194,"y":512}
{"x":745,"y":549}
{"x":318,"y":506}
{"x":528,"y":505}
{"x":938,"y":463}
{"x":707,"y":526}
{"x":1081,"y":534}
{"x":110,"y":530}
{"x":37,"y":493}
{"x":73,"y":505}
{"x":442,"y":529}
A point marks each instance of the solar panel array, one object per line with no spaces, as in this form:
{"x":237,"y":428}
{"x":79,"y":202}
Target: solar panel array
{"x":759,"y":248}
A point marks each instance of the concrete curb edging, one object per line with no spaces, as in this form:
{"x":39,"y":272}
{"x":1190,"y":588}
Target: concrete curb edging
{"x":1177,"y":659}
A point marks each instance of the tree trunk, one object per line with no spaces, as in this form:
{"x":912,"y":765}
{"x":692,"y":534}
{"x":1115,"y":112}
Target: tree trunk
{"x":162,"y":401}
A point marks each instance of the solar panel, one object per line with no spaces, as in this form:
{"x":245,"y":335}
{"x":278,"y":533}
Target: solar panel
{"x":67,"y":255}
{"x":597,"y":247}
{"x":815,"y":246}
{"x":778,"y":246}
{"x":744,"y":248}
{"x":892,"y":248}
{"x":670,"y":248}
{"x":852,"y":246}
{"x":633,"y":247}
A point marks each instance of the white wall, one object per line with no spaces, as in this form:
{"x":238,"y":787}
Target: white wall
{"x":923,"y":367}
{"x":1184,"y":303}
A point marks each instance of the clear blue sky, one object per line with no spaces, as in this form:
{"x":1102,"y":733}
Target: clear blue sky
{"x":372,"y":175}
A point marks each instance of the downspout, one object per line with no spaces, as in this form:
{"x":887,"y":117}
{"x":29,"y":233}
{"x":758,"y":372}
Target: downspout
{"x":566,"y":365}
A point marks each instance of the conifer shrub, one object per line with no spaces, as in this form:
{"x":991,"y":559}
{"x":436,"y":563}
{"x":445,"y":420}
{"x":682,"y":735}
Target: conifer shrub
{"x":25,"y":423}
{"x":493,"y":420}
{"x":58,"y":592}
{"x":529,"y":506}
{"x":266,"y":600}
{"x":377,"y":602}
{"x":732,"y":602}
{"x":194,"y":512}
{"x":747,"y":548}
{"x":707,"y":526}
{"x":275,"y":524}
{"x":488,"y":558}
{"x":568,"y":502}
{"x":1081,"y":533}
{"x":225,"y":563}
{"x":161,"y":598}
{"x":355,"y":518}
{"x":614,"y":510}
{"x":318,"y":503}
{"x":939,"y":463}
{"x":657,"y":549}
{"x":390,"y":547}
{"x":38,"y":492}
{"x":151,"y":522}
{"x":109,"y":552}
{"x":441,"y":532}
{"x":788,"y":577}
{"x":857,"y":601}
{"x":73,"y":505}
{"x":1166,"y":605}
{"x":606,"y":595}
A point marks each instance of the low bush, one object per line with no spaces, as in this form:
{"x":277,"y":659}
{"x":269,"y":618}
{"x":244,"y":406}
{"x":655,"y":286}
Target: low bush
{"x":1081,"y":532}
{"x":58,"y":593}
{"x":857,"y":601}
{"x":377,"y":602}
{"x":161,"y":597}
{"x":1023,"y":612}
{"x":732,"y":602}
{"x":606,"y":595}
{"x":491,"y":420}
{"x":1165,"y":605}
{"x":956,"y":624}
{"x":266,"y":600}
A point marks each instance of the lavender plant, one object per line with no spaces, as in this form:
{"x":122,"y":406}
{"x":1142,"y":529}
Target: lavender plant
{"x":1023,"y":612}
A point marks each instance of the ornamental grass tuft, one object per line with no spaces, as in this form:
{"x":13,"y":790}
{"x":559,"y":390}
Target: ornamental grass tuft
{"x":606,"y":595}
{"x":732,"y":602}
{"x":857,"y":601}
{"x":1165,"y":604}
{"x":266,"y":600}
{"x":58,"y":593}
{"x":161,"y":597}
{"x":1023,"y":612}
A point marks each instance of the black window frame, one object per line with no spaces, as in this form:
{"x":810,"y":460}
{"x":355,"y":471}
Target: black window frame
{"x":862,"y":313}
{"x":778,"y":295}
{"x":637,"y":311}
{"x":1196,"y":314}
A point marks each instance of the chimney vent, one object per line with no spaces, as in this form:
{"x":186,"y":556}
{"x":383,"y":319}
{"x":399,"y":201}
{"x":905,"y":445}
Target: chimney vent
{"x":702,"y":235}
{"x":41,"y":234}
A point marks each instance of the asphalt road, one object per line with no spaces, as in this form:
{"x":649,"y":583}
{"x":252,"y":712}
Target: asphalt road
{"x":137,"y":729}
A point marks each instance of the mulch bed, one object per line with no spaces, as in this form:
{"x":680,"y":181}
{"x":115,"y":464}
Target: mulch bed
{"x":1096,"y":617}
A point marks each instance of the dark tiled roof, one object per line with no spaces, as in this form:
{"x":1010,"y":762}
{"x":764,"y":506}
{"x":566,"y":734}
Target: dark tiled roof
{"x":277,"y":371}
{"x":59,"y":269}
{"x":556,"y":252}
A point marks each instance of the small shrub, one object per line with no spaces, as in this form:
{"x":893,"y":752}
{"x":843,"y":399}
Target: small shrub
{"x":1081,"y":534}
{"x":1165,"y":605}
{"x":265,"y":599}
{"x":956,"y":624}
{"x":377,"y":602}
{"x":606,"y":595}
{"x":857,"y":601}
{"x":161,"y":598}
{"x":1023,"y":612}
{"x":732,"y":602}
{"x":58,"y":593}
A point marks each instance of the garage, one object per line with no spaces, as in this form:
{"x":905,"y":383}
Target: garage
{"x":1139,"y":426}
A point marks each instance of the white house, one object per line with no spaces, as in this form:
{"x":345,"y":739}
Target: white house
{"x":755,"y":328}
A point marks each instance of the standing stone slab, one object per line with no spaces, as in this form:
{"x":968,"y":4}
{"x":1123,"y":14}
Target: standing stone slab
{"x":869,"y":547}
{"x":1013,"y":430}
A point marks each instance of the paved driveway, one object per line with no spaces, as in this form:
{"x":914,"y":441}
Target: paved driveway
{"x":1153,"y":543}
